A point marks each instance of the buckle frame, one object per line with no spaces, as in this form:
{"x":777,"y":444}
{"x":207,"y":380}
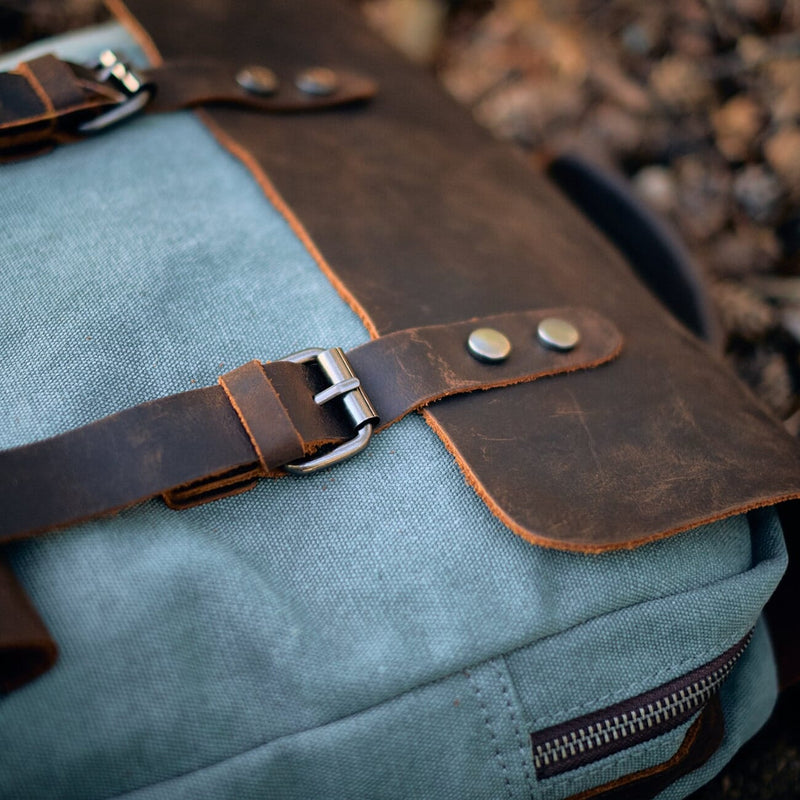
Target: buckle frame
{"x":345,"y":384}
{"x":118,"y":75}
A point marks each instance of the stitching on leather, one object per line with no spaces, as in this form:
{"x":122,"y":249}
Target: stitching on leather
{"x":492,"y":735}
{"x":523,"y":750}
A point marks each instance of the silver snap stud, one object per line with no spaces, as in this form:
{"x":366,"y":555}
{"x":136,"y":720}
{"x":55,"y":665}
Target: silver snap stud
{"x":318,"y":81}
{"x":258,"y":80}
{"x":489,"y":345}
{"x":558,"y":334}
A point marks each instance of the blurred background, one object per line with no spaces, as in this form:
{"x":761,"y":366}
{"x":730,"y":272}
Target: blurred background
{"x":696,"y":105}
{"x":695,"y":102}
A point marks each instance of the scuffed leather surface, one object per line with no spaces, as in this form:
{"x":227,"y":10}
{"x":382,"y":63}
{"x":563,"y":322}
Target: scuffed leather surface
{"x":198,"y":82}
{"x":212,"y":442}
{"x":425,"y":220}
{"x":45,"y":100}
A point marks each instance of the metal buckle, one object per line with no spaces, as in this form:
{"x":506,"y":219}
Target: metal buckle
{"x":344,"y":384}
{"x":119,"y":76}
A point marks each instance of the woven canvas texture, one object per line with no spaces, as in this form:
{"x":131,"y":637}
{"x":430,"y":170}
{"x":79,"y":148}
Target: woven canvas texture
{"x":368,"y":632}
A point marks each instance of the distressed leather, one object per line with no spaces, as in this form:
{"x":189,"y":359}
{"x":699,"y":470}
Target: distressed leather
{"x":44,"y":101}
{"x":419,"y":218}
{"x":215,"y":441}
{"x":199,"y":82}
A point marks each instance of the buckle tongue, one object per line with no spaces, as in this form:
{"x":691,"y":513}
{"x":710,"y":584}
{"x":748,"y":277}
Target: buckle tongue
{"x":345,"y":384}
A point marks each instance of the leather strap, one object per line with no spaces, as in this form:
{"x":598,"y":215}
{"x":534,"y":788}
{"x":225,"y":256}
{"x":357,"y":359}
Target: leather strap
{"x":215,"y":441}
{"x":43,"y":99}
{"x":266,"y":420}
{"x":418,"y":217}
{"x":26,"y":649}
{"x":46,"y":100}
{"x":191,"y":83}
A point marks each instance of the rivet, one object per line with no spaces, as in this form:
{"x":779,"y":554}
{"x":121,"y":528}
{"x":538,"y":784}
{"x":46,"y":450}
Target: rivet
{"x":319,"y":81}
{"x":258,"y":80}
{"x":558,"y":334}
{"x":489,"y":345}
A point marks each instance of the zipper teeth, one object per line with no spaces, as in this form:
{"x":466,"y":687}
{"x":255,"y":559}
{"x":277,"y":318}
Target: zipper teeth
{"x":600,"y":733}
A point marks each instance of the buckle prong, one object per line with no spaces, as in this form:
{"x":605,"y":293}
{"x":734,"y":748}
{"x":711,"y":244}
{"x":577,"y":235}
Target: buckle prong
{"x":345,"y":384}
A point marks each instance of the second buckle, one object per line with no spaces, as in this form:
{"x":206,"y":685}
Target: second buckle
{"x":136,"y":94}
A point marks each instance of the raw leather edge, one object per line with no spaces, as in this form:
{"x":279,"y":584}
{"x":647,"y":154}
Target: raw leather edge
{"x":245,"y":157}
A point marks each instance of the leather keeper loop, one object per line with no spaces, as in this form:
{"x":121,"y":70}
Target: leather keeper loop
{"x":56,"y":83}
{"x":208,"y":443}
{"x":262,"y":415}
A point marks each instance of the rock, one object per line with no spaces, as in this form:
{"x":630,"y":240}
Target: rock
{"x":681,"y":84}
{"x":782,"y":290}
{"x":774,"y":384}
{"x":783,"y":90}
{"x":752,"y":50}
{"x":736,"y":126}
{"x":577,"y":141}
{"x":692,"y":41}
{"x":621,"y":132}
{"x":657,"y":187}
{"x":525,"y":110}
{"x":637,"y":38}
{"x":692,"y":32}
{"x":414,"y":27}
{"x":609,"y":79}
{"x":782,"y":152}
{"x":752,"y":11}
{"x":742,"y":312}
{"x":666,"y":141}
{"x":746,"y":250}
{"x":704,"y":196}
{"x":758,"y":193}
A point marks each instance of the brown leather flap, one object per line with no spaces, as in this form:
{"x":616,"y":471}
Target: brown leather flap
{"x":420,"y":218}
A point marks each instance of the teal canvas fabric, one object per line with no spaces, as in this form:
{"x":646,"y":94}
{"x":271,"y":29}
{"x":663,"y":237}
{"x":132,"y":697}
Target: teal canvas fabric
{"x":367,"y":632}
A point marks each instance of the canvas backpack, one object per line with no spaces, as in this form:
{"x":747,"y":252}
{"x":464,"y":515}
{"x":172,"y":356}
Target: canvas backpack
{"x":548,"y":583}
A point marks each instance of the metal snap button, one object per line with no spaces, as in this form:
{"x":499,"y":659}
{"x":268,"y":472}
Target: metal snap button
{"x":557,"y":334}
{"x":319,"y":81}
{"x":488,"y":345}
{"x":258,"y":80}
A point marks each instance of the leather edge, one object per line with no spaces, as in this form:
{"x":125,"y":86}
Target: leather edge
{"x":282,"y":207}
{"x":557,"y":544}
{"x":248,"y":160}
{"x":121,"y":12}
{"x":702,"y":740}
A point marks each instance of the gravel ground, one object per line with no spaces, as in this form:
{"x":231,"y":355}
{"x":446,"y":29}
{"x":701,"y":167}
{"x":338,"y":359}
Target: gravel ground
{"x":697,"y":103}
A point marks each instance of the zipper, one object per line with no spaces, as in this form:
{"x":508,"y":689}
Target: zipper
{"x":584,"y":740}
